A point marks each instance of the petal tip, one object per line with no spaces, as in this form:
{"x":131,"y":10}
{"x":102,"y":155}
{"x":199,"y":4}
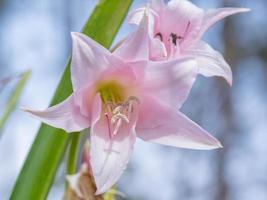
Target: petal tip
{"x":24,"y":109}
{"x":230,"y":81}
{"x":73,"y":34}
{"x":30,"y":111}
{"x":76,"y":35}
{"x":245,"y":9}
{"x":217,"y":145}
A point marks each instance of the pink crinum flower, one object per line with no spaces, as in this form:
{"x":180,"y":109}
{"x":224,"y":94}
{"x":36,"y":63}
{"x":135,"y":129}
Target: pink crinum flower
{"x":120,"y":101}
{"x":176,"y":28}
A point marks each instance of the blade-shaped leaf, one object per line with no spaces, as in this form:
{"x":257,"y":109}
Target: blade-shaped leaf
{"x":49,"y":146}
{"x":13,"y":99}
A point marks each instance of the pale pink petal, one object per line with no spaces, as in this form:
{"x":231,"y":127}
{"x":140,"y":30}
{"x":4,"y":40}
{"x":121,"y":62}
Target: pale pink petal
{"x":109,"y":157}
{"x":65,"y":115}
{"x":83,"y":98}
{"x":165,"y":125}
{"x":210,"y":62}
{"x":136,"y":46}
{"x":125,"y":74}
{"x":138,"y":68}
{"x":136,"y":16}
{"x":171,"y":80}
{"x":180,"y":18}
{"x":88,"y":59}
{"x":214,"y":15}
{"x":157,"y":5}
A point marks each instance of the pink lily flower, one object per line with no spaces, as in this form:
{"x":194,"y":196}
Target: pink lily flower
{"x":120,"y":101}
{"x":175,"y":30}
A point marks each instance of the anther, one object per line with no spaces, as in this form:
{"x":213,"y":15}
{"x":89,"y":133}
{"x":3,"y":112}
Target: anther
{"x":174,"y":38}
{"x":159,"y":36}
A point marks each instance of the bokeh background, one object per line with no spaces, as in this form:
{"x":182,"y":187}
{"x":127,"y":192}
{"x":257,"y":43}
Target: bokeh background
{"x":36,"y":35}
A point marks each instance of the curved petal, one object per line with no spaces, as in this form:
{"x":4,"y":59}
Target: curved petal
{"x":83,"y":99}
{"x":210,"y":62}
{"x":162,"y":124}
{"x":214,"y":15}
{"x":182,"y":18}
{"x":157,"y":5}
{"x":109,"y":156}
{"x":136,"y":46}
{"x":172,"y":80}
{"x":88,"y":59}
{"x":136,"y":16}
{"x":65,"y":115}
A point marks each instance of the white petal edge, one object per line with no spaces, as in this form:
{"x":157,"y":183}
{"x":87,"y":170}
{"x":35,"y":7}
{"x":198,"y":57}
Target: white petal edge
{"x":210,"y":61}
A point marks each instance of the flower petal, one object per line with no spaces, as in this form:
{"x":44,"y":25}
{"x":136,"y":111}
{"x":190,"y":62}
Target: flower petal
{"x":162,"y":124}
{"x":178,"y":18}
{"x":64,"y":115}
{"x":136,"y":46}
{"x":172,"y":80}
{"x":210,"y":62}
{"x":109,"y":157}
{"x":157,"y":5}
{"x":214,"y":15}
{"x":136,"y":16}
{"x":88,"y":59}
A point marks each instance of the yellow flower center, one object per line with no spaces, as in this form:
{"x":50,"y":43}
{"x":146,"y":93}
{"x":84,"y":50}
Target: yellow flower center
{"x":111,"y":91}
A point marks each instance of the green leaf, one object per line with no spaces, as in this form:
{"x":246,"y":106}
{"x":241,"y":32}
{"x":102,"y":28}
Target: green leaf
{"x":13,"y":99}
{"x":39,"y":169}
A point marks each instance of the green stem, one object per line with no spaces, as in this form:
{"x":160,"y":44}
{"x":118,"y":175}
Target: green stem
{"x":73,"y":153}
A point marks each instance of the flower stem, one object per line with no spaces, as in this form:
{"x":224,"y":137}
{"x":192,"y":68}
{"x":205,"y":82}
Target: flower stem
{"x":73,"y":154}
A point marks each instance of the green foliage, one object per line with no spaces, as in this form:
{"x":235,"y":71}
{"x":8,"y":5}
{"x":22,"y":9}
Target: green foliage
{"x":13,"y":99}
{"x":39,"y":169}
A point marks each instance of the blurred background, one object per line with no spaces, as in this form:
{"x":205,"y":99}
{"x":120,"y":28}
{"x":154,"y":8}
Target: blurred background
{"x":36,"y":35}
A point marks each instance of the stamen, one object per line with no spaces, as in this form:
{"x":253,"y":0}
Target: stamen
{"x":159,"y":36}
{"x":117,"y":126}
{"x":120,"y":113}
{"x":130,"y":104}
{"x":118,"y":116}
{"x":187,"y":28}
{"x":117,"y":110}
{"x":180,"y":38}
{"x":173,"y":38}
